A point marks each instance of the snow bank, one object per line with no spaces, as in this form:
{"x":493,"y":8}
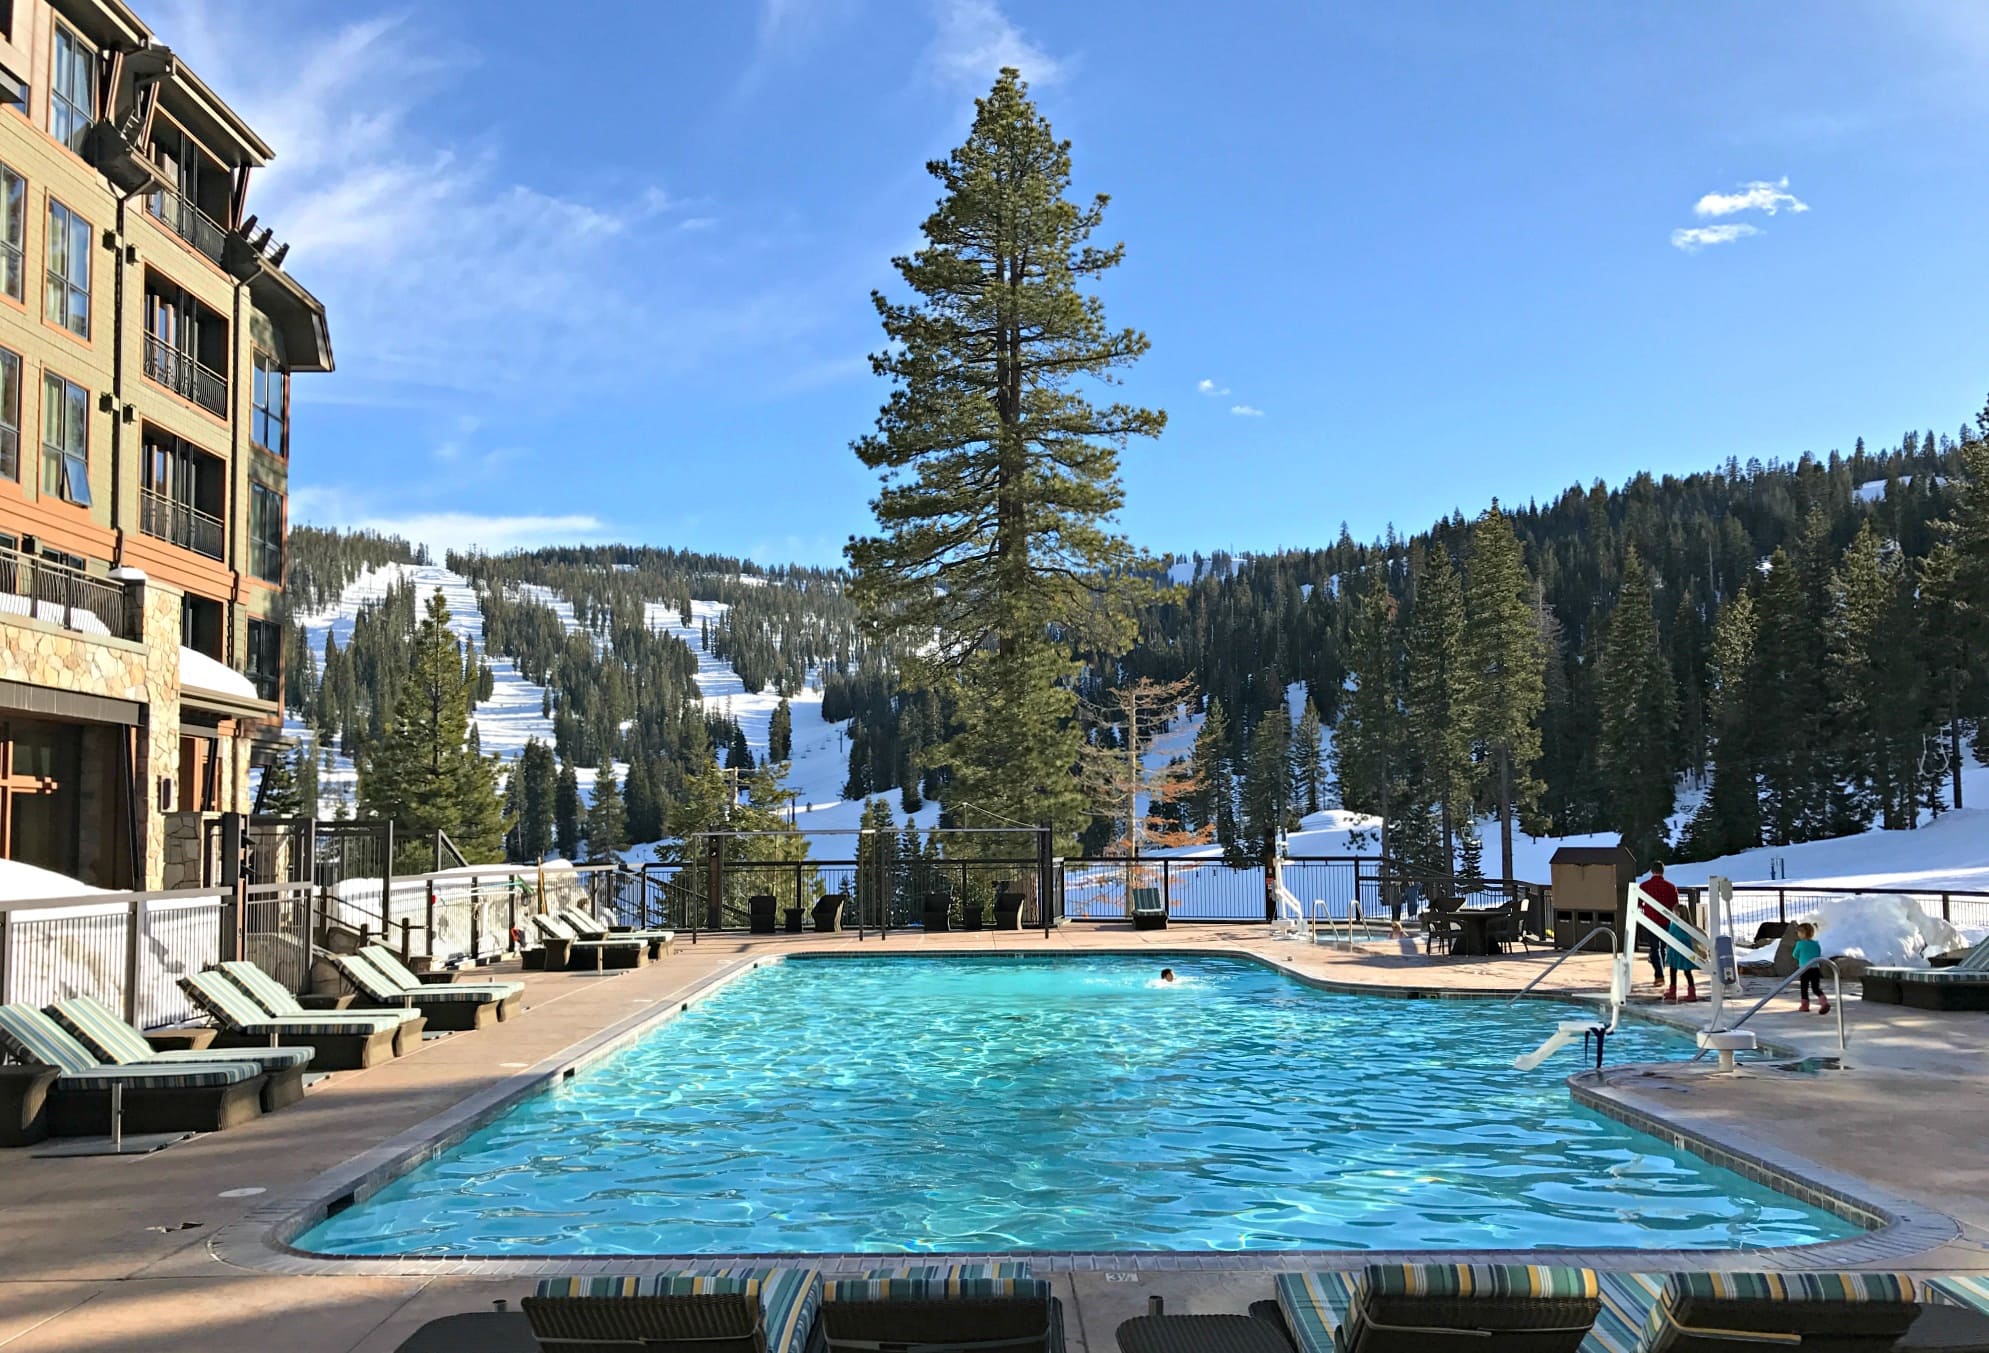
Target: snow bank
{"x":1888,"y":932}
{"x":202,"y":673}
{"x":26,"y":883}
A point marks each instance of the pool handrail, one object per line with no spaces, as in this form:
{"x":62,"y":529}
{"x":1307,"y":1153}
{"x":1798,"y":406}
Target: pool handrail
{"x":1576,"y":948}
{"x":1837,"y":987}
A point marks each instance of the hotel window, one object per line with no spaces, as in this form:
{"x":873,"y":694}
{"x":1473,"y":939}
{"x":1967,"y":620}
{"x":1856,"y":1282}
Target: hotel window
{"x":67,"y":301}
{"x":272,"y":390}
{"x":265,"y":534}
{"x":65,"y":450}
{"x":10,"y":415}
{"x":265,"y":658}
{"x":72,"y":104}
{"x":13,"y":232}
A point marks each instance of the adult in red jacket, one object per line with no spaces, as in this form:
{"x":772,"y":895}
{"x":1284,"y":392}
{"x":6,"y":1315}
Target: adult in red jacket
{"x":1664,"y":893}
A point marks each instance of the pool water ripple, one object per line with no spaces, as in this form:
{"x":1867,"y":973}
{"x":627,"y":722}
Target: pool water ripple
{"x":910,"y":1104}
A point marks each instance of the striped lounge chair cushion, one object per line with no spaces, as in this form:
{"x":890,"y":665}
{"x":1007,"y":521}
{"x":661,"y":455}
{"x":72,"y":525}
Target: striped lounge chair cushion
{"x":1972,"y":1291}
{"x":934,"y":1282}
{"x":189,"y":1076}
{"x":1690,"y":1303}
{"x":1976,"y":959}
{"x":788,"y":1296}
{"x":34,"y":1037}
{"x":390,"y":966}
{"x":1939,"y":975}
{"x":275,"y":998}
{"x":1332,"y":1310}
{"x":117,"y":1042}
{"x":232,"y":1009}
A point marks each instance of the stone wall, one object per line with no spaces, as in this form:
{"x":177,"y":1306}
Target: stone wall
{"x":183,"y":833}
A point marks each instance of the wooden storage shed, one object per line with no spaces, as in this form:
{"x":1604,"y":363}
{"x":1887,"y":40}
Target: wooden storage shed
{"x":1590,"y":884}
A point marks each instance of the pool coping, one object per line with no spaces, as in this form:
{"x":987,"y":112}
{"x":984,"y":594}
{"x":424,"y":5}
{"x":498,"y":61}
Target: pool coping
{"x":261,"y":1239}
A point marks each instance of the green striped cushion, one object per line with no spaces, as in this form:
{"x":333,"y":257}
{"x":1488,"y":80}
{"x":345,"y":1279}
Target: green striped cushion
{"x":390,"y":966}
{"x":1314,"y":1305}
{"x":370,"y":982}
{"x":1803,"y":1303}
{"x":233,"y":1010}
{"x":476,"y":995}
{"x":551,"y":925}
{"x":788,"y":1296}
{"x":227,"y":1003}
{"x":261,"y":988}
{"x":1627,"y":1299}
{"x":1536,"y":1281}
{"x":34,"y":1037}
{"x":1954,"y":975}
{"x":206,"y":1075}
{"x":935,"y":1282}
{"x":1960,"y":1291}
{"x":265,"y":1059}
{"x":101,"y":1031}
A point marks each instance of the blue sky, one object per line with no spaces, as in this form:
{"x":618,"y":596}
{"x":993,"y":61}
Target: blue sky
{"x":601,"y":270}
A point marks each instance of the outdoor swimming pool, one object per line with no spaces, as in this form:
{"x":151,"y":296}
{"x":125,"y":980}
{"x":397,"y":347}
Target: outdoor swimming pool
{"x":1068,"y":1103}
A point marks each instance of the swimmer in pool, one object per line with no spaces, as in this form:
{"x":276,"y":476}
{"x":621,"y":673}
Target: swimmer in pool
{"x":1167,"y":974}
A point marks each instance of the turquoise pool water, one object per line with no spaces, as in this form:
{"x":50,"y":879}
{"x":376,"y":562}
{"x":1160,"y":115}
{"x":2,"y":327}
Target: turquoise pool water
{"x":1040,"y":1103}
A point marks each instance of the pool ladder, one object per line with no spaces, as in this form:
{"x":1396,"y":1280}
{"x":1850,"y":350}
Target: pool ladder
{"x":1579,"y":945}
{"x":1837,"y":1001}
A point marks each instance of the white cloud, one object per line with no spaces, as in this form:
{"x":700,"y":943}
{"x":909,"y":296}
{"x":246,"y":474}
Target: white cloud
{"x":975,"y":40}
{"x":443,"y":275}
{"x":1759,"y":195}
{"x":492,"y":533}
{"x":1695,"y":238}
{"x":1245,"y":411}
{"x":1208,"y":387}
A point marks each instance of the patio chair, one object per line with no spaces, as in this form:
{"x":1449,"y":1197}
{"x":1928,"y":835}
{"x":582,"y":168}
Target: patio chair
{"x":1008,"y":910}
{"x":1962,"y":986}
{"x":829,"y":913}
{"x":110,"y":1040}
{"x":390,"y":966}
{"x":342,"y":1042}
{"x":1745,"y":1312}
{"x":452,"y":1009}
{"x":567,"y":951}
{"x":592,"y":928}
{"x":91,"y":1099}
{"x":1440,"y":925}
{"x":1149,"y":912}
{"x":997,"y":1306}
{"x":1440,"y":1308}
{"x":760,"y":914}
{"x":935,"y":912}
{"x":730,"y":1310}
{"x":275,"y":999}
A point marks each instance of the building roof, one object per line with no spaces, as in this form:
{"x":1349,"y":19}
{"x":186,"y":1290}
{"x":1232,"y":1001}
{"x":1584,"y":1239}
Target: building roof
{"x":1592,"y":855}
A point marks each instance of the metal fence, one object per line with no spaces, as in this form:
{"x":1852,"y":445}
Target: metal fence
{"x":128,"y":950}
{"x":1757,"y":903}
{"x":1343,"y":888}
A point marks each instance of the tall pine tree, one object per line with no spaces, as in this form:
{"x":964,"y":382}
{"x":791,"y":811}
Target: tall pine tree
{"x":1440,"y":691}
{"x":1639,"y":717}
{"x":999,"y":475}
{"x":1507,"y":679}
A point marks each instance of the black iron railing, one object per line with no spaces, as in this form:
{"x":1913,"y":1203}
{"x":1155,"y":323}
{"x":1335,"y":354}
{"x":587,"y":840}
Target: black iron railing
{"x":181,"y":523}
{"x":184,"y":375}
{"x":189,"y":222}
{"x":43,"y":590}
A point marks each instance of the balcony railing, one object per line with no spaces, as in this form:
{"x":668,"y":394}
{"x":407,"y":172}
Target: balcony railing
{"x":181,"y":523}
{"x":64,"y":596}
{"x":189,"y":222}
{"x":184,"y":375}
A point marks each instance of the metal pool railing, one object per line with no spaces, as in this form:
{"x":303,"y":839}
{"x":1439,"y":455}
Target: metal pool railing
{"x":1757,"y":903}
{"x":129,"y":950}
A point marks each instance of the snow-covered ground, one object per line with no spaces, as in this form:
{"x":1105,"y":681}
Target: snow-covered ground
{"x":505,"y":722}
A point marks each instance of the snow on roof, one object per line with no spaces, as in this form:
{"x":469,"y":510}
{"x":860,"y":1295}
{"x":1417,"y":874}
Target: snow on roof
{"x":199,"y":672}
{"x":78,"y":618}
{"x":25,"y":883}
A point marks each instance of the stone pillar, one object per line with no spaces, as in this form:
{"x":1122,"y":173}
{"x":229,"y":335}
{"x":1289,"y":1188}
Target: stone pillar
{"x":158,"y":752}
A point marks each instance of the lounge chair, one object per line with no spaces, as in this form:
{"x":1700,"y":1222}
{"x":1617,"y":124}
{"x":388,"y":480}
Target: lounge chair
{"x":829,"y":913}
{"x":566,"y":951}
{"x":1963,"y":986}
{"x":343,"y":1042}
{"x":274,"y":999}
{"x":90,"y":1099}
{"x":1149,"y":911}
{"x":406,"y":979}
{"x":1008,"y":910}
{"x":110,"y":1040}
{"x":1441,"y":1308}
{"x":937,"y":909}
{"x":760,"y":917}
{"x":997,"y":1306}
{"x":593,"y":928}
{"x":454,"y":1009}
{"x":1745,"y":1312}
{"x":730,"y":1310}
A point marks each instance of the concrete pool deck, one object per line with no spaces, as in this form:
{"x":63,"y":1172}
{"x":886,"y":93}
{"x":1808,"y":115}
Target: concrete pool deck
{"x":115,"y":1254}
